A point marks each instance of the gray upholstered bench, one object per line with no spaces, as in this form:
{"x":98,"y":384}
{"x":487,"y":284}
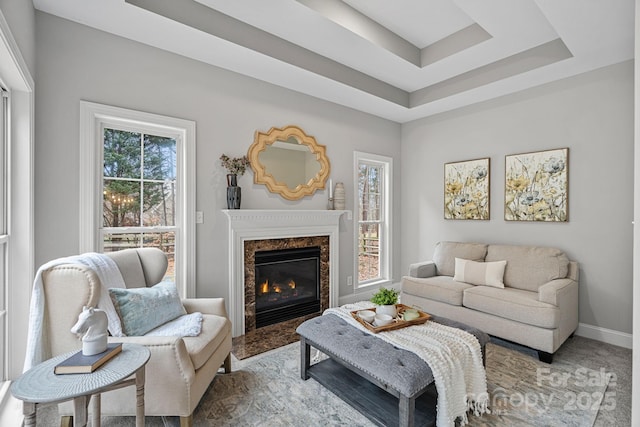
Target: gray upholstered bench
{"x":388,"y":385}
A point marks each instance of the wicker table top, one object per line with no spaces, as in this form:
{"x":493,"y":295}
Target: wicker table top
{"x":41,"y":385}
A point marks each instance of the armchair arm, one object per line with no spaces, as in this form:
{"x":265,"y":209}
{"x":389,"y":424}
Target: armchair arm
{"x":556,"y":290}
{"x":422,"y":269}
{"x":205,"y":306}
{"x":169,"y":355}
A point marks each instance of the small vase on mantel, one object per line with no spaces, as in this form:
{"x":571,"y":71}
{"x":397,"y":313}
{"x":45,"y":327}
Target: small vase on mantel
{"x":339,"y":197}
{"x":233,"y":192}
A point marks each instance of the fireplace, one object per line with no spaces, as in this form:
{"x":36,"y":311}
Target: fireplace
{"x":252,"y":230}
{"x":272,"y":302}
{"x":287,"y":284}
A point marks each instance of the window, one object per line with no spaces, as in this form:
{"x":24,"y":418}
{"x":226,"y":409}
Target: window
{"x":373,"y":255}
{"x":140,"y":191}
{"x":4,"y":233}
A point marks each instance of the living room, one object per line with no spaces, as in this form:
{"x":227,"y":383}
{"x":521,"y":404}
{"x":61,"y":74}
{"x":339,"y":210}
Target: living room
{"x":590,"y":112}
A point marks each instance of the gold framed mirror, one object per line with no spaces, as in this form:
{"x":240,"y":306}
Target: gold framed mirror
{"x":289,"y":162}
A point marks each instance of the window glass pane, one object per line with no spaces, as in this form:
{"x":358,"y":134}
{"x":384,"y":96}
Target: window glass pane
{"x":159,"y":203}
{"x":121,"y":203}
{"x":122,"y":155}
{"x":159,"y":181}
{"x":159,"y":158}
{"x":369,"y":185}
{"x":369,"y":252}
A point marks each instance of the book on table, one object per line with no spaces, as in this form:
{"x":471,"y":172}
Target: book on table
{"x":78,"y":363}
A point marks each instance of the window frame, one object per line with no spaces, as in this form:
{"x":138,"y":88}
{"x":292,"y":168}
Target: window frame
{"x":93,"y":118}
{"x":386,"y":261}
{"x":4,"y":233}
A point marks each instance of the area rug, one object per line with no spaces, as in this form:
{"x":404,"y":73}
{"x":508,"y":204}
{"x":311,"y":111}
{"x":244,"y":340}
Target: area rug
{"x":266,"y":390}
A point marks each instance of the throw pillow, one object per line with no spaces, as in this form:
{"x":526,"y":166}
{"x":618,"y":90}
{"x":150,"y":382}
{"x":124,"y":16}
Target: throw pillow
{"x":143,"y":309}
{"x":480,"y":273}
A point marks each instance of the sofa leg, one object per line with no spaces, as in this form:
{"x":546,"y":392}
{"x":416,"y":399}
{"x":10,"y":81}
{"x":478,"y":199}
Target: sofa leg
{"x":227,"y":364}
{"x":186,"y":421}
{"x":545,"y":357}
{"x":66,"y":421}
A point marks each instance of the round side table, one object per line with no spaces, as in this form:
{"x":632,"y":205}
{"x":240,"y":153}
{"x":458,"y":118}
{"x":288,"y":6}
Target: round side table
{"x":39,"y":385}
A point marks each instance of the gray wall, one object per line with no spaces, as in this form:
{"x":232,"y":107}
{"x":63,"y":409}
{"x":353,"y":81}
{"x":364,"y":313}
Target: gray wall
{"x":20,"y":15}
{"x":77,"y":63}
{"x":592,"y":114}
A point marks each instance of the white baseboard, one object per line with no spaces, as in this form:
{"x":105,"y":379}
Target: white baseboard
{"x":609,"y":336}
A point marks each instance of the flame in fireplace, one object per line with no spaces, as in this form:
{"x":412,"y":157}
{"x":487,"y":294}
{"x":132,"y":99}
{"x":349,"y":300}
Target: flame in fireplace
{"x":264,"y":287}
{"x":277,"y":288}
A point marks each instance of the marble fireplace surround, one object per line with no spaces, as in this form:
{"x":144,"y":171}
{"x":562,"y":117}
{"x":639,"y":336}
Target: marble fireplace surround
{"x":258,"y":224}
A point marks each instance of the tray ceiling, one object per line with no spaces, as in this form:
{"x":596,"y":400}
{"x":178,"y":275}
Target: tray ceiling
{"x":400,"y":60}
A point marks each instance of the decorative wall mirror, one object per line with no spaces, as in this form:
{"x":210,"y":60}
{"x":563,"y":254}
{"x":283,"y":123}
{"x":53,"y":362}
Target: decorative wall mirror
{"x":289,"y":162}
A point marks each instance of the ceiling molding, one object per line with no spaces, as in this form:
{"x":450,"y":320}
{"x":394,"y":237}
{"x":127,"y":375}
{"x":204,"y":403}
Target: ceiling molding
{"x":400,"y":61}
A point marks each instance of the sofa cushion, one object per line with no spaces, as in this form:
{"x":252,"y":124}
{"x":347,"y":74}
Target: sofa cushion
{"x":515,"y":304}
{"x":480,"y":273}
{"x":446,"y":252}
{"x":143,"y":309}
{"x":438,"y":288}
{"x":529,"y":267}
{"x":214,"y":331}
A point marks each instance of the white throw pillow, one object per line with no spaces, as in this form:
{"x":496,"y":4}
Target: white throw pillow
{"x":480,"y":273}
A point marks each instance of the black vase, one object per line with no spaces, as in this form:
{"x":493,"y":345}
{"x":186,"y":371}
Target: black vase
{"x":234,"y":193}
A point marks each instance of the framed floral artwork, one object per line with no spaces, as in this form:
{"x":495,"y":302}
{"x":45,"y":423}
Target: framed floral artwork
{"x":466,"y":189}
{"x":537,"y":186}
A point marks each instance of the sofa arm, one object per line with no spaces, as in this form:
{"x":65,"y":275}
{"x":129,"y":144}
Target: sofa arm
{"x":422,"y":269}
{"x":205,"y":306}
{"x":554,"y":291}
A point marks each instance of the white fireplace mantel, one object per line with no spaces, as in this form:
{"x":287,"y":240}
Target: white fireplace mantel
{"x":260,"y":224}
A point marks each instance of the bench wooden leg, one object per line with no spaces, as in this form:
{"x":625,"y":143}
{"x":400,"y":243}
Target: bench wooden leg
{"x":406,"y":411}
{"x":305,"y":358}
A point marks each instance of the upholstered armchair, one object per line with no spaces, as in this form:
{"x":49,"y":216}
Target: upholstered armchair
{"x":179,"y":370}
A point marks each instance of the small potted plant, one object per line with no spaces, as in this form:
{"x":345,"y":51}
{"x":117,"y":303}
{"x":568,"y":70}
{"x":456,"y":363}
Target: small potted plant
{"x":386,"y":300}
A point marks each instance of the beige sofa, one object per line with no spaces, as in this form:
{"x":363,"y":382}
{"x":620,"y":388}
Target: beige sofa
{"x":179,"y":370}
{"x":538,"y":306}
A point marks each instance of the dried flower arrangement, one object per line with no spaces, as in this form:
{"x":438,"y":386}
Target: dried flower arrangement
{"x":235,"y":165}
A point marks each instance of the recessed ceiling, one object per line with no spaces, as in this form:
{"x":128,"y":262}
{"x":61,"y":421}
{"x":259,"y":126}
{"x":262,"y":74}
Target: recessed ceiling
{"x":400,"y":60}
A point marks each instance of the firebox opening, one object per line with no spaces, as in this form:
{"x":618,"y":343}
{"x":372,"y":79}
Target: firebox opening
{"x":287,"y":284}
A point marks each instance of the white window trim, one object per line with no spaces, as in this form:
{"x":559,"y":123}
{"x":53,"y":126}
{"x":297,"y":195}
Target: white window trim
{"x":386,"y":259}
{"x":18,"y":81}
{"x":92,"y":118}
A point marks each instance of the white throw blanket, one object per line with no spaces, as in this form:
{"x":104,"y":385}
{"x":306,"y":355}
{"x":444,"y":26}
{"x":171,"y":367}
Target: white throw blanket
{"x":455,"y":359}
{"x":187,"y":325}
{"x":38,"y":346}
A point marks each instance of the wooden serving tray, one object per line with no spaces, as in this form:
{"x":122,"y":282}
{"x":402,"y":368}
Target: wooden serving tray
{"x":397,"y":322}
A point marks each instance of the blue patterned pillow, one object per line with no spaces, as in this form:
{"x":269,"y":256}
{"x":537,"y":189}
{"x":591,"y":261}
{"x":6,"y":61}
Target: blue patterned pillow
{"x":144,"y":309}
